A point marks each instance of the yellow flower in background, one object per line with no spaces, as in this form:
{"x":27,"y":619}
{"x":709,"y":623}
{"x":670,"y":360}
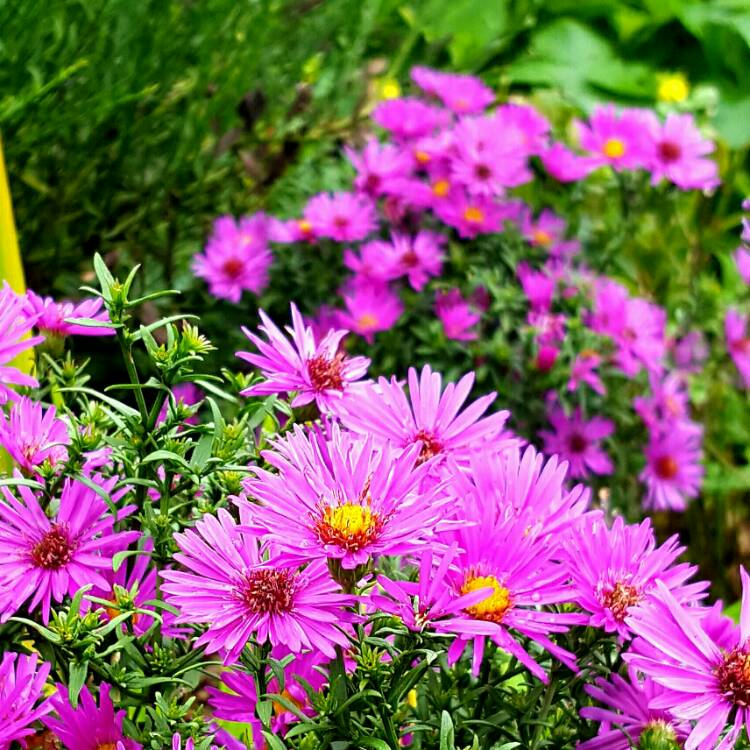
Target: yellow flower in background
{"x":388,"y":88}
{"x":411,"y":698}
{"x":672,"y":88}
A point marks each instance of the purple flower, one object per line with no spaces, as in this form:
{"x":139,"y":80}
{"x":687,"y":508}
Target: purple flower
{"x":22,"y":681}
{"x":584,"y":371}
{"x":429,"y":416}
{"x":15,"y":323}
{"x":408,"y":118}
{"x":614,"y":569}
{"x":618,"y":139}
{"x":456,"y":316}
{"x":43,"y":559}
{"x":678,"y":154}
{"x":52,"y":318}
{"x":236,"y":257}
{"x":370,"y":308}
{"x":576,"y":440}
{"x":232,"y":588}
{"x":522,"y":128}
{"x":742,"y":261}
{"x":32,"y":436}
{"x":738,"y":342}
{"x":690,"y":351}
{"x":317,"y":372}
{"x":703,"y":682}
{"x":344,"y":217}
{"x":470,"y":215}
{"x":537,"y":286}
{"x":673,"y":471}
{"x":565,"y":165}
{"x":462,"y":94}
{"x":378,"y":165}
{"x":418,"y":258}
{"x":88,"y":726}
{"x":341,"y":498}
{"x":627,"y":720}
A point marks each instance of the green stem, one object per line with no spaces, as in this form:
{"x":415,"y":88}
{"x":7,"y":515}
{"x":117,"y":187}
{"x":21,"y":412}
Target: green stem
{"x":127,"y":355}
{"x":549,"y":694}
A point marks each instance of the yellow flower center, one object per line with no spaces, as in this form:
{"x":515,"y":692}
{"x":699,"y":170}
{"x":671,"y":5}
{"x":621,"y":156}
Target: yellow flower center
{"x":368,"y":320}
{"x":613,"y":148}
{"x":304,"y":226}
{"x":441,"y":188}
{"x":423,"y":158}
{"x":348,"y":525}
{"x":495,"y":605}
{"x":673,"y":88}
{"x":541,"y":237}
{"x":474,"y":215}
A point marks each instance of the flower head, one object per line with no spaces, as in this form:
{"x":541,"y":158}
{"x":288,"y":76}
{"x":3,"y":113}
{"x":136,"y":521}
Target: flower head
{"x":344,"y":217}
{"x":341,"y":498}
{"x":236,"y":257}
{"x":15,"y":323}
{"x":370,"y":308}
{"x":418,"y":257}
{"x":407,"y":118}
{"x":42,"y":559}
{"x":88,"y":726}
{"x":616,"y":568}
{"x":470,"y":215}
{"x":378,"y":165}
{"x":704,"y":682}
{"x":32,"y":436}
{"x":22,"y":681}
{"x":456,"y":316}
{"x":584,"y":371}
{"x":463,"y":94}
{"x":317,"y":372}
{"x":565,"y":165}
{"x":738,"y":342}
{"x":230,"y":585}
{"x":53,"y":318}
{"x":619,"y":139}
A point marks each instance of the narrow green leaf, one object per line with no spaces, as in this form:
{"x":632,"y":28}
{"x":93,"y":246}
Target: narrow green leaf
{"x":78,"y":672}
{"x":446,"y":732}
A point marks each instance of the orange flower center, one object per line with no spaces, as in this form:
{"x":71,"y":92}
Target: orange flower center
{"x":441,"y":188}
{"x":613,"y":148}
{"x":495,"y":605}
{"x":474,"y":215}
{"x":349,"y":525}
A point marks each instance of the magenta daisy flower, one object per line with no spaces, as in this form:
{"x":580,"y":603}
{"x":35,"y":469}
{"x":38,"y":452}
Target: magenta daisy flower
{"x":456,"y":315}
{"x":236,"y":257}
{"x":44,"y":559}
{"x":614,"y":569}
{"x":673,"y":471}
{"x":429,"y":416}
{"x":519,"y":576}
{"x":88,"y":726}
{"x":703,"y":682}
{"x":232,"y":588}
{"x":15,"y":323}
{"x":565,"y":165}
{"x":584,"y":369}
{"x":679,"y":152}
{"x":626,"y":721}
{"x":619,"y":139}
{"x":318,"y":372}
{"x":370,"y":309}
{"x":344,"y":217}
{"x":32,"y":436}
{"x":577,"y":440}
{"x":738,"y":342}
{"x":341,"y":498}
{"x":54,"y":318}
{"x":408,"y":118}
{"x":22,"y":681}
{"x":418,"y":257}
{"x":463,"y":94}
{"x":470,"y":215}
{"x":378,"y":165}
{"x":538,"y":287}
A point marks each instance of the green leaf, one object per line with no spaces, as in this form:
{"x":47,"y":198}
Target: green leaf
{"x":46,"y":632}
{"x":119,"y":557}
{"x":446,"y":732}
{"x":165,"y":455}
{"x":264,"y":709}
{"x":75,"y":604}
{"x":91,"y":323}
{"x":286,"y":703}
{"x":105,"y":277}
{"x":124,"y":409}
{"x":78,"y":672}
{"x":202,"y":451}
{"x":20,"y":481}
{"x":273,"y":741}
{"x":374,"y":743}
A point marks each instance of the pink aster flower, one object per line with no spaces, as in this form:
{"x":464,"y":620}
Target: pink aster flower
{"x":520,"y":578}
{"x":22,"y":681}
{"x":370,"y":308}
{"x":43,"y":559}
{"x":626,"y":720}
{"x":673,"y":471}
{"x":470,"y":215}
{"x":325,"y":320}
{"x":584,"y":371}
{"x":614,"y":569}
{"x":53,"y":318}
{"x":690,"y":351}
{"x":678,"y":154}
{"x":456,"y":316}
{"x":463,"y":94}
{"x":418,"y":257}
{"x":618,"y":139}
{"x":408,"y":118}
{"x":15,"y":323}
{"x":703,"y":682}
{"x":373,"y":264}
{"x":377,"y":165}
{"x":230,"y":586}
{"x":667,"y":404}
{"x":236,"y":257}
{"x":738,"y":342}
{"x":315,"y":372}
{"x":577,"y":441}
{"x":537,"y":286}
{"x":32,"y":436}
{"x":742,"y":261}
{"x":429,"y":415}
{"x":344,"y":217}
{"x":88,"y":726}
{"x":341,"y":498}
{"x":565,"y":165}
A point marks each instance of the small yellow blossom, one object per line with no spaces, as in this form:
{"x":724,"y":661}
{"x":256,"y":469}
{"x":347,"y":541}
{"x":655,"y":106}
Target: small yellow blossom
{"x":388,"y":88}
{"x":673,"y":88}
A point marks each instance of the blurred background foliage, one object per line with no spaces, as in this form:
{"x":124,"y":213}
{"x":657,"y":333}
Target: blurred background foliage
{"x":129,"y":126}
